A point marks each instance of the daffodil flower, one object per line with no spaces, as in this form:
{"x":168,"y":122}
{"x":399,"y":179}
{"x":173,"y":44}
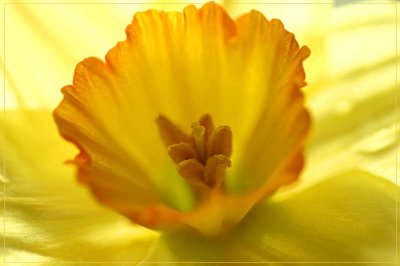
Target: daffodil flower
{"x":188,"y":128}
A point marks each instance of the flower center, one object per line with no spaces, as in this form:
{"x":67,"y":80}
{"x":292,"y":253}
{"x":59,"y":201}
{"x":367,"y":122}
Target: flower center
{"x":202,"y":157}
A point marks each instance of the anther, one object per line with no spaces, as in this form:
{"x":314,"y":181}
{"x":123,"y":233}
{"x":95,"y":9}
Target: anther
{"x":199,"y":141}
{"x":206,"y":122}
{"x":192,"y":170}
{"x":181,"y":151}
{"x":220,"y":142}
{"x":170,"y":134}
{"x":214,"y":171}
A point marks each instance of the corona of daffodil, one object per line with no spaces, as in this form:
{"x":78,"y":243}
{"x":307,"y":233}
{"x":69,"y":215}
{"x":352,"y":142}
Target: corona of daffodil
{"x":243,"y":75}
{"x":188,"y":128}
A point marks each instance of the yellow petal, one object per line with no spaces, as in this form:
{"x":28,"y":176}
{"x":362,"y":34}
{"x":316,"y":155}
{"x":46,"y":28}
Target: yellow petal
{"x":347,"y":218}
{"x":47,"y":213}
{"x":279,"y":126}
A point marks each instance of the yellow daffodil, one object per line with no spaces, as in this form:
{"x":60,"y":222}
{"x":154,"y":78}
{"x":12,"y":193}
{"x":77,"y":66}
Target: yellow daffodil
{"x":244,"y":74}
{"x":188,"y":128}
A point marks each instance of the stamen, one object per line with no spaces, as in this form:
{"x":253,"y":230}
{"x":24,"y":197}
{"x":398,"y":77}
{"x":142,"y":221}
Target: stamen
{"x":170,"y":134}
{"x":201,"y":159}
{"x":199,"y":140}
{"x":220,"y":142}
{"x":181,"y":151}
{"x":192,"y":170}
{"x":215,"y":169}
{"x":206,"y":122}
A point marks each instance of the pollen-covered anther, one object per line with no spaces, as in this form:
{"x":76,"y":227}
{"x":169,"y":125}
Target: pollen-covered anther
{"x":181,"y":151}
{"x":215,"y":169}
{"x":220,"y":142}
{"x":201,"y":158}
{"x":192,"y":170}
{"x":170,"y":133}
{"x":206,"y":122}
{"x":199,"y":140}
